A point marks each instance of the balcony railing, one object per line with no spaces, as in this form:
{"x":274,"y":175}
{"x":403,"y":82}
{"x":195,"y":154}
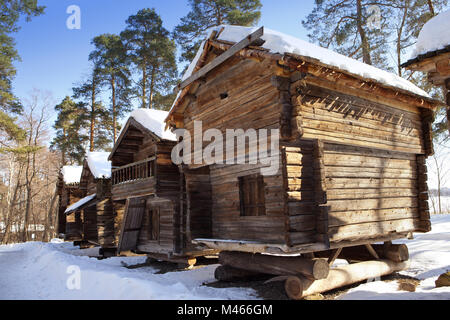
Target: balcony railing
{"x":135,"y":171}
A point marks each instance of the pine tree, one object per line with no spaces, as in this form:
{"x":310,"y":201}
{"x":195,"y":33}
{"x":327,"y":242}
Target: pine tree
{"x":113,"y":64}
{"x":71,"y":131}
{"x":206,"y":14}
{"x":345,"y":26}
{"x":11,"y":11}
{"x":153,"y":53}
{"x":100,"y":120}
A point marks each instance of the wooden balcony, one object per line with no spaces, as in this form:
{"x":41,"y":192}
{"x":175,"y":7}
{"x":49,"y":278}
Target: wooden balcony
{"x":133,"y":172}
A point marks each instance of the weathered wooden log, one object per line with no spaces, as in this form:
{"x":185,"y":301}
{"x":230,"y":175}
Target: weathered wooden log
{"x":181,"y":260}
{"x":298,"y":287}
{"x":227,"y":273}
{"x":394,"y":252}
{"x":276,"y":265}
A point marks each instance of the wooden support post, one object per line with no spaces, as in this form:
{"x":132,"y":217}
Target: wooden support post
{"x":283,"y":85}
{"x":320,"y":191}
{"x":276,"y":265}
{"x":298,"y":287}
{"x":372,"y":251}
{"x":332,"y":258}
{"x":424,"y":210}
{"x":427,"y":118}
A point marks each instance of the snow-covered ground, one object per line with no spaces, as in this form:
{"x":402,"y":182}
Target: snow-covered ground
{"x":37,"y":270}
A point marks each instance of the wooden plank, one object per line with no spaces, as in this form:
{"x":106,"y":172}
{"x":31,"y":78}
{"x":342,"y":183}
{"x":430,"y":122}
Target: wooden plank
{"x":132,"y":222}
{"x":223,"y":57}
{"x":372,"y":229}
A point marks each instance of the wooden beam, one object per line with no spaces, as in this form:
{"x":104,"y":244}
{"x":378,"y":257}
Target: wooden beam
{"x":276,"y":265}
{"x":298,"y":287}
{"x":223,"y":57}
{"x":227,"y":273}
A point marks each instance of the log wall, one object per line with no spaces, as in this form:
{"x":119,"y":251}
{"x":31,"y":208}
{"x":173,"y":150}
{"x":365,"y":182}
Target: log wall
{"x":370,"y":192}
{"x":334,"y":116}
{"x":90,"y":231}
{"x":227,"y":220}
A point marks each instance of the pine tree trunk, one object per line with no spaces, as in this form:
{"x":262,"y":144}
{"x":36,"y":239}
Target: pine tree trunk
{"x":364,"y":41}
{"x":113,"y":87}
{"x":144,"y":83}
{"x":399,"y":40}
{"x":63,"y":156}
{"x":91,"y":137}
{"x":218,"y":15}
{"x":152,"y":89}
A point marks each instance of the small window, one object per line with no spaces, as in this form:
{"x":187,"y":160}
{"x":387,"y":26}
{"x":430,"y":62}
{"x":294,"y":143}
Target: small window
{"x":251,"y":194}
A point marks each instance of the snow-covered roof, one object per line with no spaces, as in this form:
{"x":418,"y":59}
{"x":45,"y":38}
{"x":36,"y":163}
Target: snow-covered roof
{"x":71,"y":174}
{"x":277,"y":42}
{"x":435,"y":35}
{"x":99,"y":164}
{"x":153,"y":120}
{"x":80,"y":203}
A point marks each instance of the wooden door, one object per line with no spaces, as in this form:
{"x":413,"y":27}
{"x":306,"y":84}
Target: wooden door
{"x":131,"y":225}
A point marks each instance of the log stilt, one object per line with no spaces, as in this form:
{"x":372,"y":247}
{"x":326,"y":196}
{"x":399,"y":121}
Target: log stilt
{"x":298,"y":287}
{"x":188,"y":262}
{"x":276,"y":265}
{"x":107,"y":252}
{"x":227,"y":273}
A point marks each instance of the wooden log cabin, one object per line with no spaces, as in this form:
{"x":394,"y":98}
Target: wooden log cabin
{"x":145,"y":190}
{"x":95,"y":185}
{"x":432,"y":55}
{"x":352,"y":148}
{"x":69,"y":192}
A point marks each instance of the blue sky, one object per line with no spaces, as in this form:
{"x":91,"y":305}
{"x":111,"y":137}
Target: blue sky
{"x":54,"y":58}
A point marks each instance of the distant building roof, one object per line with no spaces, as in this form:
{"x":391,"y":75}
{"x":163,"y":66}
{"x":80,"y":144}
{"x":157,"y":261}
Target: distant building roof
{"x":80,"y":203}
{"x":71,"y":174}
{"x":99,"y":164}
{"x":153,"y":120}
